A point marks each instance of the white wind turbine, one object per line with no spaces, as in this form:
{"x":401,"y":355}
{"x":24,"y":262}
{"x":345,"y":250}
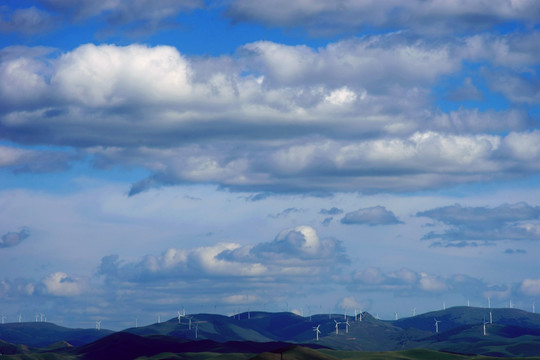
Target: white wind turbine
{"x":396,"y":315}
{"x":437,"y":325}
{"x":317,"y":331}
{"x":414,"y":312}
{"x":337,"y":329}
{"x":20,"y":318}
{"x":159,"y":319}
{"x":490,"y":318}
{"x":485,"y":327}
{"x":98,"y":324}
{"x":489,"y":303}
{"x":347,"y":326}
{"x":3,"y":319}
{"x":179,"y":317}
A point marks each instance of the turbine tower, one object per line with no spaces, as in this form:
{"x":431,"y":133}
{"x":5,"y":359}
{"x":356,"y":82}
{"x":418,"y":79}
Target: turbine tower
{"x":3,"y":319}
{"x":437,"y":326}
{"x":490,"y":318}
{"x":317,"y":331}
{"x":396,"y":315}
{"x":489,"y":303}
{"x":347,"y":326}
{"x":179,"y":317}
{"x":337,"y":329}
{"x":414,"y":312}
{"x":485,"y":327}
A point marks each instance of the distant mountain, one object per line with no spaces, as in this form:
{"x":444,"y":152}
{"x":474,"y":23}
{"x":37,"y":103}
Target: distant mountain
{"x":41,"y":334}
{"x":464,"y":315}
{"x":461,"y":330}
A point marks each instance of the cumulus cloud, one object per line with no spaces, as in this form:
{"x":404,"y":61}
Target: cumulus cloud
{"x":294,"y":252}
{"x":407,"y":282}
{"x":376,"y":215}
{"x":354,"y":115}
{"x":12,"y":239}
{"x":468,"y":225}
{"x":61,"y":284}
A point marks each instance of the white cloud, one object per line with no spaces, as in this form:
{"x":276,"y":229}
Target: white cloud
{"x":530,"y":287}
{"x":431,"y":283}
{"x":61,"y":284}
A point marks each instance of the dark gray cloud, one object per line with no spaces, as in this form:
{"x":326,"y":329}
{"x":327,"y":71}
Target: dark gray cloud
{"x":27,"y":21}
{"x":346,"y":16}
{"x":285,"y":213}
{"x":515,"y":251}
{"x":327,"y":221}
{"x":132,"y":18}
{"x":467,"y":92}
{"x":12,"y":239}
{"x":469,"y":225}
{"x":20,"y":160}
{"x":332,"y":211}
{"x":372,"y":216}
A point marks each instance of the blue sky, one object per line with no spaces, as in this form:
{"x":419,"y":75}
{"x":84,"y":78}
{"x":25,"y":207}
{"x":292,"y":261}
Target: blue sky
{"x":279,"y":155}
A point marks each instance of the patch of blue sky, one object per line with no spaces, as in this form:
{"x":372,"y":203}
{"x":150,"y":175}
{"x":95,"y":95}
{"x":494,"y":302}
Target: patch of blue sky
{"x":68,"y":181}
{"x":447,"y":88}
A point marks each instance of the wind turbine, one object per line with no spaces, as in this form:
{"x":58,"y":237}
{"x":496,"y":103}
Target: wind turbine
{"x":489,"y":303}
{"x":98,"y":324}
{"x":437,"y":325}
{"x":468,"y":303}
{"x":20,"y":318}
{"x":396,"y":315}
{"x":490,"y":318}
{"x":37,"y":317}
{"x":179,"y":317}
{"x":159,"y":319}
{"x":317,"y":331}
{"x":533,"y":309}
{"x":3,"y":319}
{"x":444,"y":305}
{"x":485,"y":327}
{"x":337,"y":329}
{"x":414,"y":312}
{"x":347,"y":326}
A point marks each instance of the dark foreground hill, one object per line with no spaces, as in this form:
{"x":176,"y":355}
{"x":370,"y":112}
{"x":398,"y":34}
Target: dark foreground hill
{"x":41,"y":334}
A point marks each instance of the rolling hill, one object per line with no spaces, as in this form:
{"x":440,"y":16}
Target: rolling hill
{"x":513,"y":333}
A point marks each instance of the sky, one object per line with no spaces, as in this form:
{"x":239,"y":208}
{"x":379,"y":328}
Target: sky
{"x":307,"y":156}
